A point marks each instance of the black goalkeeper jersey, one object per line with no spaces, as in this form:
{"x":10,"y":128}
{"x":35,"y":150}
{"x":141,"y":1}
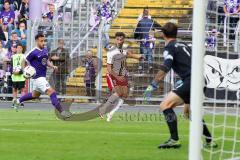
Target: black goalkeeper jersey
{"x":177,"y":55}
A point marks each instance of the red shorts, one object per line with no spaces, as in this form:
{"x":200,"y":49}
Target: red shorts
{"x":112,"y":82}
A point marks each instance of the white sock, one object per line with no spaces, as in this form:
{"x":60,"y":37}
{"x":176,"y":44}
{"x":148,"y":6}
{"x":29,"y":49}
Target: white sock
{"x":119,"y":104}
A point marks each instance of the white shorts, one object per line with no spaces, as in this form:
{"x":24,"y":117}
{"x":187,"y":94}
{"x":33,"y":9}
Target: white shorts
{"x":41,"y":85}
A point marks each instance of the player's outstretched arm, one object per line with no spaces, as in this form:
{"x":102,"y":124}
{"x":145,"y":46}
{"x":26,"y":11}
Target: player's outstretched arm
{"x":154,"y":85}
{"x":130,"y":54}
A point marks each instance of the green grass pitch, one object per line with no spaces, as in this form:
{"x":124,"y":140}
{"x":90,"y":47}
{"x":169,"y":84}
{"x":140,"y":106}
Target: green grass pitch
{"x":38,"y":135}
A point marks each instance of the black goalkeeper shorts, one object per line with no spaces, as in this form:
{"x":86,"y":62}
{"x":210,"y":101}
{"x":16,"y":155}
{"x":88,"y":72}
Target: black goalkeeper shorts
{"x":183,"y":91}
{"x":19,"y":85}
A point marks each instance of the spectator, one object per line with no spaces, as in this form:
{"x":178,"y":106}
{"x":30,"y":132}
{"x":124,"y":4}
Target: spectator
{"x":7,"y":18}
{"x":231,"y":9}
{"x":18,"y":64}
{"x":45,"y":5}
{"x":2,"y":35}
{"x":17,"y":4}
{"x":211,"y":7}
{"x":3,"y":52}
{"x":22,"y":34}
{"x":106,"y":12}
{"x":51,"y":12}
{"x":8,"y":58}
{"x":46,"y":29}
{"x":13,"y":41}
{"x":90,"y":74}
{"x":211,"y":41}
{"x":2,"y":81}
{"x":11,"y":2}
{"x":142,"y":31}
{"x":140,"y":17}
{"x":22,"y":11}
{"x":94,"y":19}
{"x":148,"y":45}
{"x":2,"y":75}
{"x":8,"y":64}
{"x":60,"y":58}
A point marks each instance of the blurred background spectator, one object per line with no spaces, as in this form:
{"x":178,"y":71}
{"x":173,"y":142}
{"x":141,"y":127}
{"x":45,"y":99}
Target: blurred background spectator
{"x":231,"y":9}
{"x":141,"y":16}
{"x":11,"y":3}
{"x":90,"y":74}
{"x":148,"y":45}
{"x":46,"y":29}
{"x":51,"y":12}
{"x":106,"y":12}
{"x":60,"y":58}
{"x":13,"y":41}
{"x":45,"y":7}
{"x":3,"y":53}
{"x":211,"y":41}
{"x":7,"y":18}
{"x":22,"y":34}
{"x":142,"y":31}
{"x":22,"y":12}
{"x":8,"y":64}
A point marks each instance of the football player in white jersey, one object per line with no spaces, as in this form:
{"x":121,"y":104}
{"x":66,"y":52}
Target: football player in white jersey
{"x":117,"y":75}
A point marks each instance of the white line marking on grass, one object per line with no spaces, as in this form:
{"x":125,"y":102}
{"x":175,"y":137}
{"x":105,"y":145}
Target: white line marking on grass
{"x":85,"y":132}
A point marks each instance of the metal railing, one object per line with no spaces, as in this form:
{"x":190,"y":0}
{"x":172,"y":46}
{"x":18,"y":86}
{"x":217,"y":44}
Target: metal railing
{"x":79,"y":38}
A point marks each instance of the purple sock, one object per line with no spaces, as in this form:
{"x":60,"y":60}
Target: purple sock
{"x":26,"y":97}
{"x":55,"y":102}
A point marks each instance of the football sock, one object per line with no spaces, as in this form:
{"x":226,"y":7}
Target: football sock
{"x":106,"y":107}
{"x":171,"y":120}
{"x":206,"y":132}
{"x":26,"y":97}
{"x":55,"y":102}
{"x":118,"y":105}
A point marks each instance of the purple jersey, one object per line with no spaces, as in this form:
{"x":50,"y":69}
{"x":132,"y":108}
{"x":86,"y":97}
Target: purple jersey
{"x":38,"y":59}
{"x":212,"y":40}
{"x":106,"y":10}
{"x":232,"y":5}
{"x":149,"y":42}
{"x":50,"y":16}
{"x":6,"y":16}
{"x":211,"y":43}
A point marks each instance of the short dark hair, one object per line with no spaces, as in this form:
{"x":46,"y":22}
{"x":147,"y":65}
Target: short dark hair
{"x":170,"y":30}
{"x":39,"y":35}
{"x":120,"y":34}
{"x":13,"y":33}
{"x":6,"y":2}
{"x":19,"y":44}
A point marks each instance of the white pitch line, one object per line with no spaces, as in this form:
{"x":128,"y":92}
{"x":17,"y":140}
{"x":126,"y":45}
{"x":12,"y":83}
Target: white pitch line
{"x":85,"y":132}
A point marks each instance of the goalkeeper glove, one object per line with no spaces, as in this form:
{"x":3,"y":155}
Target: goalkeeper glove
{"x":148,"y":92}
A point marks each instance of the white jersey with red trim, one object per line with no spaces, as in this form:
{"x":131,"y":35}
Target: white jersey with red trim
{"x":117,"y":58}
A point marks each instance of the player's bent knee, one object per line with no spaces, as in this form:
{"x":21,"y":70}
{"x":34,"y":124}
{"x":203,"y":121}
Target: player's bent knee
{"x":36,"y":94}
{"x":50,"y":91}
{"x":166,"y":104}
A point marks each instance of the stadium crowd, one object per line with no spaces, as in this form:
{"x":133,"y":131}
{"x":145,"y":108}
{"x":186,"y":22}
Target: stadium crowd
{"x":13,"y":33}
